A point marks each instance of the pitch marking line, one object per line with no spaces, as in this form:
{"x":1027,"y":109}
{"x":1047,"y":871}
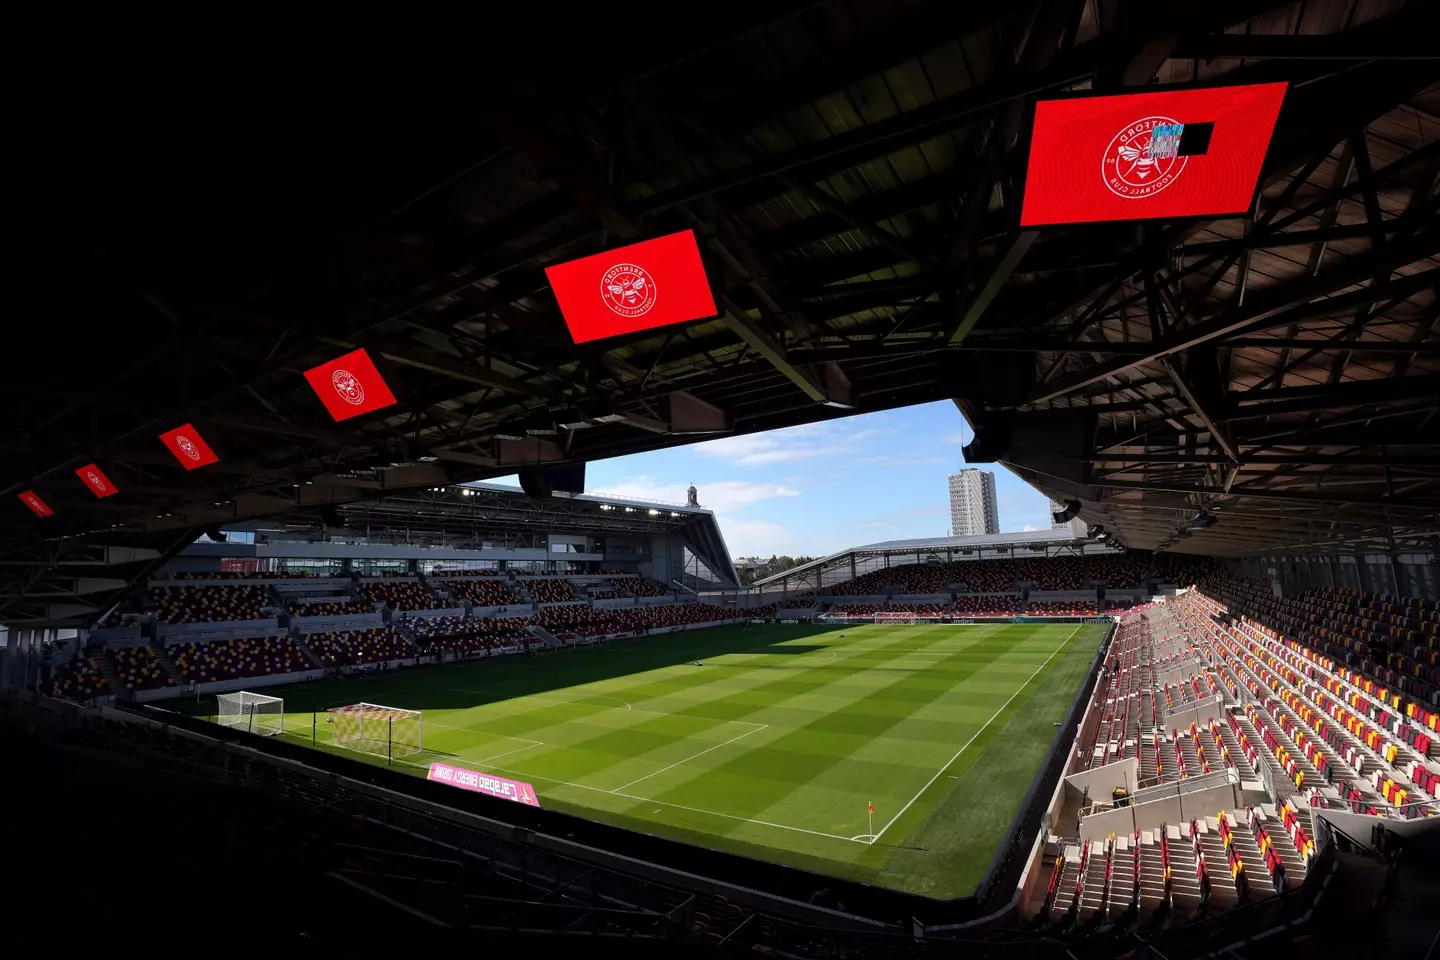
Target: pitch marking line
{"x":529,"y":746}
{"x":663,"y":803}
{"x":688,"y":759}
{"x":977,"y":733}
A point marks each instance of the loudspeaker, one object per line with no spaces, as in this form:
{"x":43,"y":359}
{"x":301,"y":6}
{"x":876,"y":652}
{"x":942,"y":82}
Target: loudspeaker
{"x":993,"y":432}
{"x":216,"y":534}
{"x":540,"y":482}
{"x":1072,"y":508}
{"x":331,"y":517}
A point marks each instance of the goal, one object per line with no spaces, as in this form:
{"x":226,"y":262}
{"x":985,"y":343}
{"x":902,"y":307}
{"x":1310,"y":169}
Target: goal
{"x":252,"y":712}
{"x":372,"y":728}
{"x":894,"y":616}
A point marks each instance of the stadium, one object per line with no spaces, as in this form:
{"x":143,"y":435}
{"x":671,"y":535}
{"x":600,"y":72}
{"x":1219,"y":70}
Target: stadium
{"x":289,"y":662}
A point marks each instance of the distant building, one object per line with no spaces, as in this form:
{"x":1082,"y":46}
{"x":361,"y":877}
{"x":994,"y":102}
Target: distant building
{"x":973,"y":508}
{"x":1075,"y":527}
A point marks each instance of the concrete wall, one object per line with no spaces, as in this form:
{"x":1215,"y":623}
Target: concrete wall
{"x":1100,"y":781}
{"x":1179,"y":808}
{"x":229,"y":628}
{"x":1200,"y":713}
{"x":349,"y":621}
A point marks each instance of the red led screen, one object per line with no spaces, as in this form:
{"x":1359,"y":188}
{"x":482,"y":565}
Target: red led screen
{"x":350,"y":385}
{"x":36,"y":504}
{"x":95,"y":479}
{"x":188,"y":447}
{"x":1141,"y":156}
{"x":645,"y":285}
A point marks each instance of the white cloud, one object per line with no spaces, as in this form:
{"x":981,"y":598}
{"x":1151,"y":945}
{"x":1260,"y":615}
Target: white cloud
{"x":721,"y":496}
{"x":899,"y":519}
{"x":759,"y":538}
{"x":1028,"y":528}
{"x":744,"y":537}
{"x":915,"y":460}
{"x":804,"y":442}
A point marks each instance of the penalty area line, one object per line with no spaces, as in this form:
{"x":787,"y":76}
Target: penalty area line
{"x":664,"y":803}
{"x":689,"y":758}
{"x":975,"y":736}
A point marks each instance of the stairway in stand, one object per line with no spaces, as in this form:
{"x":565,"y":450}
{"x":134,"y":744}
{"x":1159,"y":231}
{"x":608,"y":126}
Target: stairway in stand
{"x":106,"y":664}
{"x":304,"y":648}
{"x":167,"y":663}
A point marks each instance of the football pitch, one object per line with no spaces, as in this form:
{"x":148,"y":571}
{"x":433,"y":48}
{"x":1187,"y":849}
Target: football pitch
{"x":774,"y":746}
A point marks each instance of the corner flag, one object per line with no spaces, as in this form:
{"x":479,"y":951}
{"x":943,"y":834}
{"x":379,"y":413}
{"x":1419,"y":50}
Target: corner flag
{"x":872,"y":808}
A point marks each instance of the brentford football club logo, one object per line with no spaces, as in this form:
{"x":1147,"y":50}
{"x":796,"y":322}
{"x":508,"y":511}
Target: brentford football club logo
{"x":628,"y":290}
{"x":95,"y":481}
{"x":34,"y":502}
{"x":1142,"y":159}
{"x":187,"y":447}
{"x":349,"y":388}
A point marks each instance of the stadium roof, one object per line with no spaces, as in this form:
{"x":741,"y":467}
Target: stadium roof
{"x":1020,"y":538}
{"x":1036,"y":539}
{"x":851,"y":171}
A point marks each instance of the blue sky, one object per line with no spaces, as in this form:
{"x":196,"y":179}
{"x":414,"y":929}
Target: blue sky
{"x":823,"y":487}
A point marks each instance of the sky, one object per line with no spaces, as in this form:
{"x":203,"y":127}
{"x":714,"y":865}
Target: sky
{"x":820,"y":488}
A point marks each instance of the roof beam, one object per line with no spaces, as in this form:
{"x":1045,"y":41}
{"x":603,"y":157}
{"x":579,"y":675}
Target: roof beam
{"x":1199,"y":407}
{"x":1275,"y":307}
{"x":999,"y":276}
{"x":1260,"y":493}
{"x":761,"y":343}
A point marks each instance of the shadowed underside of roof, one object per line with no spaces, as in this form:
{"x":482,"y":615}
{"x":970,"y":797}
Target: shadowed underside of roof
{"x":197,"y":233}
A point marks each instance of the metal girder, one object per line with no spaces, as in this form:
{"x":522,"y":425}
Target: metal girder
{"x":1326,"y":396}
{"x":1362,"y":43}
{"x":846,"y":149}
{"x":1261,"y":493}
{"x":1298,"y":458}
{"x":1276,"y":307}
{"x":999,"y":276}
{"x":774,"y":354}
{"x":1200,"y":408}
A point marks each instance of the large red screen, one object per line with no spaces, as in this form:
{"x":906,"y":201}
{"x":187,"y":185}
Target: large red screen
{"x":350,"y":385}
{"x":188,"y":447}
{"x":96,"y":481}
{"x":38,"y":506}
{"x":645,"y":285}
{"x":1128,"y":157}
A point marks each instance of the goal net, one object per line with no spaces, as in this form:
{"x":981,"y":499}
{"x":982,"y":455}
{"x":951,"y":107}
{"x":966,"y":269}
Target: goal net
{"x":372,"y":728}
{"x":252,"y":712}
{"x":893,"y":616}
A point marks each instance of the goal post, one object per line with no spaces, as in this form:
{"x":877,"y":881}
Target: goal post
{"x":373,"y":728}
{"x":251,"y":712}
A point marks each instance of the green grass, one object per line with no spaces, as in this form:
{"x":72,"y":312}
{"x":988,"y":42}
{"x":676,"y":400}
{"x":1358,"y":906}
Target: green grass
{"x":774,"y":747}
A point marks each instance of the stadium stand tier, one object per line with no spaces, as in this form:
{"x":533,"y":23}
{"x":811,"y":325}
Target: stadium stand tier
{"x":209,"y":603}
{"x":206,"y":661}
{"x":468,"y":635}
{"x":482,"y":591}
{"x":1061,"y":608}
{"x":640,"y":586}
{"x":139,"y":668}
{"x":78,"y":680}
{"x":400,"y":595}
{"x":551,"y":590}
{"x":351,"y":647}
{"x":987,"y":605}
{"x":329,"y":608}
